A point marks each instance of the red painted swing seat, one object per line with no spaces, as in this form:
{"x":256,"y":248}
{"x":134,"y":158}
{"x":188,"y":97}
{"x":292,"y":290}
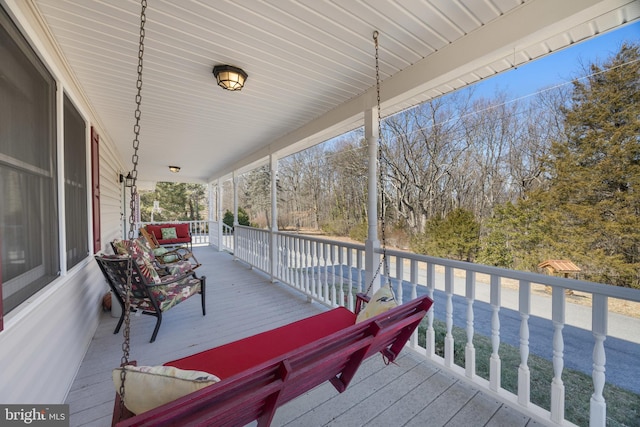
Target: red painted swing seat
{"x":262,"y":372}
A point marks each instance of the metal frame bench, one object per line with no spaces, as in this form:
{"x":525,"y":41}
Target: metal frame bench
{"x":147,"y":296}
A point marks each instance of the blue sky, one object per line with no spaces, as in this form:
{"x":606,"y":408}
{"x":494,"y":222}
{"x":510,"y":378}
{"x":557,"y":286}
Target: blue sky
{"x":558,"y":67}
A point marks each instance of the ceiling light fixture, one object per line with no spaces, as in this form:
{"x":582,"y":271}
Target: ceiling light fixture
{"x":174,"y":169}
{"x":229,"y":77}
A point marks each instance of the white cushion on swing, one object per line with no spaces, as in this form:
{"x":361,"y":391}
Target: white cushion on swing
{"x":383,"y":300}
{"x":147,"y":387}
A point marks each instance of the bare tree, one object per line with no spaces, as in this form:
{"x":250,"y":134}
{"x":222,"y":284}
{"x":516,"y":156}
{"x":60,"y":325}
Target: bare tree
{"x":420,"y":149}
{"x":347,"y":179}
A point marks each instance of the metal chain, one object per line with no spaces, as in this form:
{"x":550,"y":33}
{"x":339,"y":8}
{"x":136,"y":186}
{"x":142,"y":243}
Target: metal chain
{"x":132,"y":210}
{"x":381,"y":173}
{"x":384,"y":261}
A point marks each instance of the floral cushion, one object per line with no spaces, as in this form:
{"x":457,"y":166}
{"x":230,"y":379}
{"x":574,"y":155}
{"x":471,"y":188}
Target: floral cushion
{"x":179,"y":268}
{"x":146,"y":260}
{"x":147,"y":387}
{"x":139,"y":248}
{"x":148,"y":269}
{"x":143,"y":249}
{"x":171,"y":295}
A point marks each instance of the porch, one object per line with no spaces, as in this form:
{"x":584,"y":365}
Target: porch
{"x":315,"y":269}
{"x":242,"y":301}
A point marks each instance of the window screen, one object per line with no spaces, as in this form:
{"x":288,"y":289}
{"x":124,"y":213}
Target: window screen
{"x":28,"y":207}
{"x":75,"y":184}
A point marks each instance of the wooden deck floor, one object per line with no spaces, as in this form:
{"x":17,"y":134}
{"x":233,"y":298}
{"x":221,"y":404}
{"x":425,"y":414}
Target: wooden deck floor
{"x":242,"y":302}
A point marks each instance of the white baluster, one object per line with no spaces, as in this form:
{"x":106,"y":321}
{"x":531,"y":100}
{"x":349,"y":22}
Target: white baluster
{"x":470,"y":350}
{"x":289,"y":267}
{"x":305,"y":267}
{"x":255,"y":245}
{"x":325,"y":280}
{"x":297,"y":263}
{"x":359,"y":259}
{"x":276,"y":273}
{"x":251,"y":246}
{"x":448,"y":339}
{"x":288,"y":270}
{"x":495,"y":363}
{"x":431,"y":335}
{"x":557,"y":386}
{"x":302,"y":264}
{"x":315,"y":291}
{"x":524,"y":375}
{"x":317,"y":261}
{"x":414,"y":294}
{"x":334,"y":291}
{"x":286,"y":259}
{"x":341,"y":281}
{"x":349,"y":263}
{"x":400,"y":276}
{"x":280,"y":256}
{"x":598,"y":407}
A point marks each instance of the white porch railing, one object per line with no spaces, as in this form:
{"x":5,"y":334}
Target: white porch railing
{"x":331,"y":272}
{"x":221,"y":236}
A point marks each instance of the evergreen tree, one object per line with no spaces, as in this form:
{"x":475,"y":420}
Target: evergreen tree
{"x":243,"y":218}
{"x":454,"y":236}
{"x":593,"y":200}
{"x":516,"y":236}
{"x":176,"y":201}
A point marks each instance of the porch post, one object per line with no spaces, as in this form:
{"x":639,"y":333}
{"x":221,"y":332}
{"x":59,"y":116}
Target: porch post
{"x":274,"y":215}
{"x":220,"y":216}
{"x":372,"y":259}
{"x":235,"y":214}
{"x":210,"y":212}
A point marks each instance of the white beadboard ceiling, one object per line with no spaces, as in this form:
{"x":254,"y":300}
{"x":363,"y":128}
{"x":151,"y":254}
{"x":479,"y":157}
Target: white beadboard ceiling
{"x":310,"y":65}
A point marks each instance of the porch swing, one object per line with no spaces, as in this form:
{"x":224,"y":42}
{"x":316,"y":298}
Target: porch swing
{"x":233,"y":384}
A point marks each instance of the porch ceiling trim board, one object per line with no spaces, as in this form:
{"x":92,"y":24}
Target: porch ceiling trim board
{"x":528,"y":28}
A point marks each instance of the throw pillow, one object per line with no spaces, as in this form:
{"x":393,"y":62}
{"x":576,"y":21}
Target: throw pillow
{"x":147,"y":387}
{"x":121,"y":247}
{"x":169,"y":233}
{"x":383,"y":300}
{"x":143,"y":244}
{"x":160,"y":255}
